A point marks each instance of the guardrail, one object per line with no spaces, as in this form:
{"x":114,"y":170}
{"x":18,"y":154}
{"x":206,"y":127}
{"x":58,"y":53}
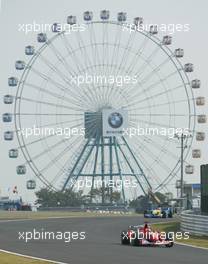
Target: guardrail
{"x":194,"y":223}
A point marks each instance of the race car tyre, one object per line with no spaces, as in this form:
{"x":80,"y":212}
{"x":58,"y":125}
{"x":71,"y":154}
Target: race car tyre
{"x":164,"y":214}
{"x":124,"y":239}
{"x":169,"y":237}
{"x":169,"y":245}
{"x":170,"y":215}
{"x":135,"y":242}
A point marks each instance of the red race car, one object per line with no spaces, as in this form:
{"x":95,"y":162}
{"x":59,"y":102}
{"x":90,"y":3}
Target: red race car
{"x":145,"y":236}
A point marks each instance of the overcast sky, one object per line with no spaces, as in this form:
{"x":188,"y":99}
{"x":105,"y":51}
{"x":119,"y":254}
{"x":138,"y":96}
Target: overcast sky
{"x":15,"y":12}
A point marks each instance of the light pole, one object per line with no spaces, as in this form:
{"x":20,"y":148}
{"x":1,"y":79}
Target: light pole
{"x":182,"y":137}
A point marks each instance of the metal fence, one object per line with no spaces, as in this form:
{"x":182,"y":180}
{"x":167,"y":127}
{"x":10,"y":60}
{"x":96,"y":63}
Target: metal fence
{"x":194,"y":223}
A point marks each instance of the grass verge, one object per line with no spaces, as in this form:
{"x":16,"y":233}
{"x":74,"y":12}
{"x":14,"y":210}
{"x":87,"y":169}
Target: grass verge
{"x":6,"y":258}
{"x":200,"y":241}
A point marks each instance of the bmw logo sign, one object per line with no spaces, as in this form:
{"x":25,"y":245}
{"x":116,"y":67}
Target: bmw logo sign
{"x":115,"y":120}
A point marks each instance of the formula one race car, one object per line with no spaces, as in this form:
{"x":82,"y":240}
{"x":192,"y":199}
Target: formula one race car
{"x":159,"y":213}
{"x":145,"y":236}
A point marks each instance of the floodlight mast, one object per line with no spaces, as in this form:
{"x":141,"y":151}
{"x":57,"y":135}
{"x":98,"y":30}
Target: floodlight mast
{"x":182,"y":137}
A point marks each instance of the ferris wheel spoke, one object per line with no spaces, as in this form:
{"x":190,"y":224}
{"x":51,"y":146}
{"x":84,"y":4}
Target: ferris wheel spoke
{"x":95,"y":57}
{"x":71,"y":53}
{"x":52,"y":67}
{"x":90,"y":94}
{"x":57,"y":85}
{"x":124,"y":58}
{"x":66,"y":65}
{"x":116,"y":45}
{"x":64,"y":169}
{"x":45,"y":114}
{"x":59,"y":123}
{"x":43,"y":138}
{"x":62,"y":59}
{"x":95,"y":165}
{"x":162,"y":104}
{"x":74,"y":172}
{"x":155,"y":179}
{"x":137,"y":56}
{"x":170,"y":176}
{"x":105,"y":57}
{"x":93,"y":47}
{"x":128,"y":47}
{"x":149,"y":59}
{"x":56,"y":158}
{"x":88,"y":64}
{"x":155,"y":158}
{"x":105,"y":46}
{"x":49,"y":104}
{"x":156,"y":69}
{"x":55,"y":95}
{"x":63,"y":77}
{"x":146,"y":165}
{"x":77,"y":62}
{"x":82,"y":47}
{"x":141,"y":184}
{"x":80,"y":66}
{"x":136,"y":159}
{"x":93,"y":40}
{"x":151,"y":86}
{"x":116,"y":147}
{"x":151,"y":123}
{"x":114,"y":58}
{"x":96,"y":61}
{"x":161,"y":80}
{"x":74,"y":163}
{"x":158,"y":146}
{"x":154,"y":96}
{"x":77,"y":95}
{"x":48,"y":149}
{"x":161,"y":114}
{"x":172,"y":140}
{"x":59,"y":156}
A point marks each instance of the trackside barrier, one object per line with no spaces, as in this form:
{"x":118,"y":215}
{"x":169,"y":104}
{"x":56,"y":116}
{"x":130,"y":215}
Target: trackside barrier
{"x":194,"y":223}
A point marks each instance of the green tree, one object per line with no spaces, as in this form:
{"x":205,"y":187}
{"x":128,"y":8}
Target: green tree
{"x":50,"y":198}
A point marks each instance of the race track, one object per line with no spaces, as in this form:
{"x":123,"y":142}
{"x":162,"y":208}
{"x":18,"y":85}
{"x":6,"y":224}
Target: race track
{"x":101,"y":246}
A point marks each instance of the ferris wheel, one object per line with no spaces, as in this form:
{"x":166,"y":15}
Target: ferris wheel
{"x":56,"y":88}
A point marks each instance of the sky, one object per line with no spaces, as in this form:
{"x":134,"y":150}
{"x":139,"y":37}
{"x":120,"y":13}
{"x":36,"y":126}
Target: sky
{"x":15,"y":12}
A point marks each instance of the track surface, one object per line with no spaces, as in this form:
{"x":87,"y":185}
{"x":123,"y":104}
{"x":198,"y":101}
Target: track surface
{"x":101,"y":246}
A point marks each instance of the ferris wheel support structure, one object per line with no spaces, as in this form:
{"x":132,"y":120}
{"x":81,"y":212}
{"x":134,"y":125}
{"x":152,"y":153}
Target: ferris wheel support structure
{"x":113,"y":145}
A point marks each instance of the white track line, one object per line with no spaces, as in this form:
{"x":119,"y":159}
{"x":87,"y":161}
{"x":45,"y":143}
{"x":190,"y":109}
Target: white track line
{"x":30,"y":257}
{"x":188,"y":245}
